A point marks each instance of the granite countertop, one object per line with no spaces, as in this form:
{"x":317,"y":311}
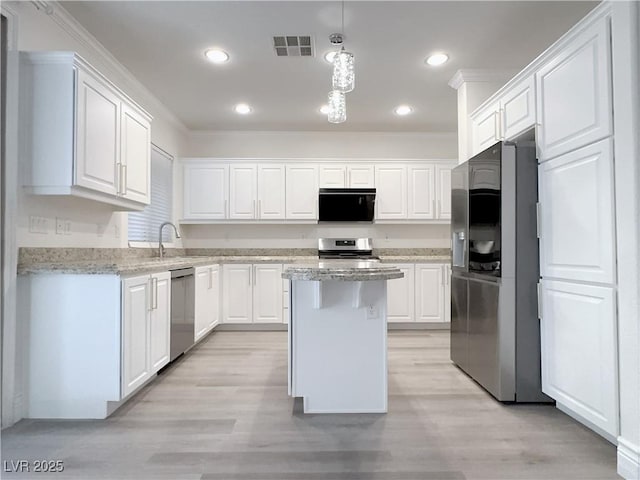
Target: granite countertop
{"x":353,"y":270}
{"x":111,"y":265}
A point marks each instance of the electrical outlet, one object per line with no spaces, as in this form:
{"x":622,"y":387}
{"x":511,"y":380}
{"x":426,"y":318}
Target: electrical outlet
{"x":59,"y":226}
{"x":372,"y":312}
{"x":38,"y":224}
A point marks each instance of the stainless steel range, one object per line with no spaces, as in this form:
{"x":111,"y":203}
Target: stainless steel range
{"x":346,"y":248}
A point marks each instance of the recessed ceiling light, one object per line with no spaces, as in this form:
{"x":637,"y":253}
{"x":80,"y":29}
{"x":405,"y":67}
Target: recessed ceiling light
{"x":437,"y":59}
{"x":403,"y":110}
{"x":324,"y":109}
{"x":242,"y":108}
{"x":329,"y":56}
{"x":216,"y":55}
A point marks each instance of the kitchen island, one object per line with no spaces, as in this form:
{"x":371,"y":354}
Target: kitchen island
{"x":338,"y":335}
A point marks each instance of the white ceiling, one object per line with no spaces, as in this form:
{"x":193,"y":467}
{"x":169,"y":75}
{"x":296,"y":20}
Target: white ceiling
{"x":162,"y":44}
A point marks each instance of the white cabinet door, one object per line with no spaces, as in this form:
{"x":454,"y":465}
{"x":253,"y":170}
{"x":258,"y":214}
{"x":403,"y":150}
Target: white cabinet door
{"x":429,"y":292}
{"x":243,"y":192}
{"x":422,"y":192}
{"x":443,"y":192}
{"x":332,"y":176}
{"x":579,"y":355}
{"x":447,"y":292}
{"x":214,"y":296}
{"x":517,"y":108}
{"x":400,"y":296}
{"x":360,"y":176}
{"x":136,"y":368}
{"x":391,"y":191}
{"x":485,"y":128}
{"x":135,"y":170}
{"x":577,"y":215}
{"x":203,"y":312}
{"x":574,"y":94}
{"x":302,"y":192}
{"x":206,"y":188}
{"x":237,"y":289}
{"x":97,"y":135}
{"x":160,"y":320}
{"x":267,"y":293}
{"x":271,"y":192}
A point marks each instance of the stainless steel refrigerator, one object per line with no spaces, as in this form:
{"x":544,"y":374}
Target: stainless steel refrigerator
{"x":495,"y":331}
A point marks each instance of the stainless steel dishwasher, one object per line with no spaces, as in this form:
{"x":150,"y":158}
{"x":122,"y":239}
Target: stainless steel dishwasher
{"x":182,"y":311}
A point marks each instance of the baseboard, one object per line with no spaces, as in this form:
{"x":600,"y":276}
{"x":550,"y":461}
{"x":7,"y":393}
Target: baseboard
{"x":283,"y":327}
{"x":252,"y":327}
{"x":418,"y":326}
{"x":628,"y":460}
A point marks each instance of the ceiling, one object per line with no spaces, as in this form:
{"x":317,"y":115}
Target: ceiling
{"x":162,"y":44}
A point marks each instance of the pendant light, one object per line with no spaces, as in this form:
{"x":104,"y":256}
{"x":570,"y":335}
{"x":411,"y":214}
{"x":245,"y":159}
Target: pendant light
{"x":343,"y":78}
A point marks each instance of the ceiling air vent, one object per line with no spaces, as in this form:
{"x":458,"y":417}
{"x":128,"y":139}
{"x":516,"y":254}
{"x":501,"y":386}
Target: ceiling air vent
{"x":293,"y":45}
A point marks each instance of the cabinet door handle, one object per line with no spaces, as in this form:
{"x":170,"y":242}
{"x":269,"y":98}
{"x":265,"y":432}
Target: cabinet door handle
{"x":250,"y":275}
{"x":124,"y":179}
{"x":224,"y":213}
{"x":150,"y":286}
{"x":210,"y":278}
{"x":259,"y":208}
{"x":439,"y":210}
{"x":118,"y":178}
{"x":349,"y":179}
{"x":433,"y":207}
{"x":254,"y":274}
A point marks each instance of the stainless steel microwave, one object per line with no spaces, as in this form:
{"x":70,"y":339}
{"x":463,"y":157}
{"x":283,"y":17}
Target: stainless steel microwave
{"x":346,"y":204}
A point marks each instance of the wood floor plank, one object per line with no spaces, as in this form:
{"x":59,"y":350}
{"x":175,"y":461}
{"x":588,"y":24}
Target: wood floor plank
{"x":222,"y":413}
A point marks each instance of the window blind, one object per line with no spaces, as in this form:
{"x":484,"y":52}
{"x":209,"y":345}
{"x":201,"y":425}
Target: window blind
{"x":144,"y":225}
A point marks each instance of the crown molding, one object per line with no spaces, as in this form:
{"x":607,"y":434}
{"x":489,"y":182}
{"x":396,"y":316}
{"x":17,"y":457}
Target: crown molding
{"x":74,"y":29}
{"x":480,"y":76}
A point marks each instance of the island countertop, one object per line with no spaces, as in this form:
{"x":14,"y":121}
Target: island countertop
{"x":349,"y":270}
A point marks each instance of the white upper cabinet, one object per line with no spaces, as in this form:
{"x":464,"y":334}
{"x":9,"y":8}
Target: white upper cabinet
{"x":391,"y":191}
{"x":510,"y":115}
{"x":360,"y":176}
{"x":98,"y":135}
{"x":579,"y":351}
{"x":243,"y":186}
{"x":332,"y":176}
{"x":81,"y":135}
{"x":134,"y":173}
{"x":443,"y":191}
{"x":577,"y":215}
{"x":346,"y":176}
{"x":206,"y":187}
{"x":517,"y":109}
{"x":271,"y":192}
{"x":302,"y":192}
{"x":574,"y":94}
{"x":485,"y":128}
{"x":421,"y":192}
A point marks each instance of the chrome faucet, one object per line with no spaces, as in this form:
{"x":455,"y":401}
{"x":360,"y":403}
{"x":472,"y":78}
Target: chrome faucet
{"x":160,"y":246}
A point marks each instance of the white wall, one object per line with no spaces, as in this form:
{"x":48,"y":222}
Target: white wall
{"x":322,"y":145}
{"x":92,"y":224}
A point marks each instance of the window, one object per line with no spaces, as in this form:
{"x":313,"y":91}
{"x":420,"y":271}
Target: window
{"x":144,"y":225}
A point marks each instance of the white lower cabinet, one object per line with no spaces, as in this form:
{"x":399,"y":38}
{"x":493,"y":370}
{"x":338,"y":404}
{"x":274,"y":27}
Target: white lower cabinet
{"x":422,"y":295}
{"x":252,"y":293}
{"x":145,"y":328}
{"x":400,"y":296}
{"x":429,"y":292}
{"x":207,"y":299}
{"x":579,"y":354}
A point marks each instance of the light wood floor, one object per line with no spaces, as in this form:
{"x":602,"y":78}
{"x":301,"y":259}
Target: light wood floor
{"x":222,"y":413}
